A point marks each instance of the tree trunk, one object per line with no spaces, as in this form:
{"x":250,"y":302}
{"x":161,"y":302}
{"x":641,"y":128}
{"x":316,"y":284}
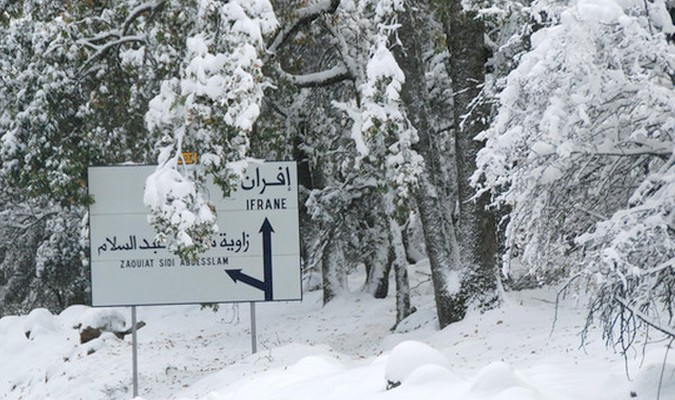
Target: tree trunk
{"x":378,"y":262}
{"x":439,"y":234}
{"x":333,"y":269}
{"x":378,"y":269}
{"x":399,"y":261}
{"x":476,"y":229}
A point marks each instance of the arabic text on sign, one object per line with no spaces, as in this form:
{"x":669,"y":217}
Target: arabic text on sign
{"x":239,"y":245}
{"x":283,"y":178}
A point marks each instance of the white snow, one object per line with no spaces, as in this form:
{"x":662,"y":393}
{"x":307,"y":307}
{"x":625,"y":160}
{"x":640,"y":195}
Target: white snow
{"x":344,"y":350}
{"x":407,"y":357}
{"x":605,"y":11}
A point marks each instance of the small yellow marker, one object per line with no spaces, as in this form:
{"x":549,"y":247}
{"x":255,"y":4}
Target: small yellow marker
{"x":188,"y":157}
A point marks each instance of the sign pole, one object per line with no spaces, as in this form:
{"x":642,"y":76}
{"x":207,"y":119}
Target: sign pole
{"x":134,"y":351}
{"x":254,"y":333}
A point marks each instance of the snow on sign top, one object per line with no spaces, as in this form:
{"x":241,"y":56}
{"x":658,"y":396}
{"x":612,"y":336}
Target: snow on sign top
{"x":255,"y":256}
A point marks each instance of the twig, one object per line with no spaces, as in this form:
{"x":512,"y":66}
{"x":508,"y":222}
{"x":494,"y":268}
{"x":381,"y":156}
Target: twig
{"x":663,"y":369}
{"x":643,"y":317}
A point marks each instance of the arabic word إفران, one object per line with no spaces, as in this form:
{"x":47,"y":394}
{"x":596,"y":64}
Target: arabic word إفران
{"x":283,"y":178}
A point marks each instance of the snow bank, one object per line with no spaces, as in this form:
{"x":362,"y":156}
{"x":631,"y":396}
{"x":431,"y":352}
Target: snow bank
{"x":307,"y":351}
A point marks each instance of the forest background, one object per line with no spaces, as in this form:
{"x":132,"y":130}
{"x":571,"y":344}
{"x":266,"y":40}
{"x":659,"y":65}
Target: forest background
{"x":514,"y":144}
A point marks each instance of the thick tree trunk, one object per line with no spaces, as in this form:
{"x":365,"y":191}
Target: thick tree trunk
{"x":378,"y":264}
{"x":333,"y":270}
{"x":399,"y":261}
{"x":378,"y":269}
{"x":439,"y":234}
{"x":476,"y":229}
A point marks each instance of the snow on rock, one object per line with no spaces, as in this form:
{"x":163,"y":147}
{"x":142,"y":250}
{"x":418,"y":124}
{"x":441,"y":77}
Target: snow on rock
{"x":40,"y":321}
{"x":71,"y":317}
{"x":654,"y":377}
{"x":106,"y":319}
{"x":407,"y":357}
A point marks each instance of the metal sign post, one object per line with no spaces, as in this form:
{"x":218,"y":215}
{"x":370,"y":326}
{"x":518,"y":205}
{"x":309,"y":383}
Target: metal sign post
{"x":134,"y":351}
{"x":254,"y":330}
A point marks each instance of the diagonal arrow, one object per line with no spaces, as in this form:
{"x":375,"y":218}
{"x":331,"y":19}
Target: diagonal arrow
{"x":266,"y":230}
{"x":266,"y":284}
{"x":237,"y":275}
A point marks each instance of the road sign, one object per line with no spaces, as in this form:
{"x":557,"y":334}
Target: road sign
{"x":255,"y":256}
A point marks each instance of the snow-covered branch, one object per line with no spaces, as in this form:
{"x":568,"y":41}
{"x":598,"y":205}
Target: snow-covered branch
{"x":149,"y":7}
{"x":115,"y":37}
{"x":317,"y":79}
{"x":302,"y":17}
{"x":101,"y":50}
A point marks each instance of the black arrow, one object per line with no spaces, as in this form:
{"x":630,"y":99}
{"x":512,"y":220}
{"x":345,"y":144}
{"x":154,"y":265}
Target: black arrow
{"x":266,"y":284}
{"x":266,"y":230}
{"x":237,"y":275}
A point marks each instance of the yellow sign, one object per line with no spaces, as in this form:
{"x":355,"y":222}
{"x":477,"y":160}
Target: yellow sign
{"x":188,"y":157}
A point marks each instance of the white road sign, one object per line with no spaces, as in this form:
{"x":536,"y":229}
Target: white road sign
{"x":254,"y":257}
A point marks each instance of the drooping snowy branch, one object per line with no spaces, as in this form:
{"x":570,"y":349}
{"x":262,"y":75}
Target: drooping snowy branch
{"x":210,"y":108}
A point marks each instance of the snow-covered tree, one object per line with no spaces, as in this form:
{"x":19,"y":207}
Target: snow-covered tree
{"x":582,"y":152}
{"x":72,"y":93}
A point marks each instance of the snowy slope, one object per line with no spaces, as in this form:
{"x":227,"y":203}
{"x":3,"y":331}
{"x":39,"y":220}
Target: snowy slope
{"x":342,"y":351}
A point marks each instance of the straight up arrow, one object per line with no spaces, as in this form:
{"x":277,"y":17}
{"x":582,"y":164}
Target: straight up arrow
{"x":266,"y":284}
{"x":266,"y":230}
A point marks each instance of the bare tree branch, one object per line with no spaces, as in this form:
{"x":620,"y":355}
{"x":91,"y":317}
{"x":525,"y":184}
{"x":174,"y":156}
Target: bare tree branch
{"x":641,"y":316}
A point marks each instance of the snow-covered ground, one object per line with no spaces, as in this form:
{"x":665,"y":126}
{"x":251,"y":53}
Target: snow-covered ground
{"x":344,"y":350}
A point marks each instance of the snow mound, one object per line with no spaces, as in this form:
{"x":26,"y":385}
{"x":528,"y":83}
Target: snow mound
{"x":312,"y":365}
{"x":518,"y":393}
{"x":652,"y":376}
{"x":500,"y":377}
{"x":431,"y":373}
{"x":39,"y":322}
{"x":407,"y":357}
